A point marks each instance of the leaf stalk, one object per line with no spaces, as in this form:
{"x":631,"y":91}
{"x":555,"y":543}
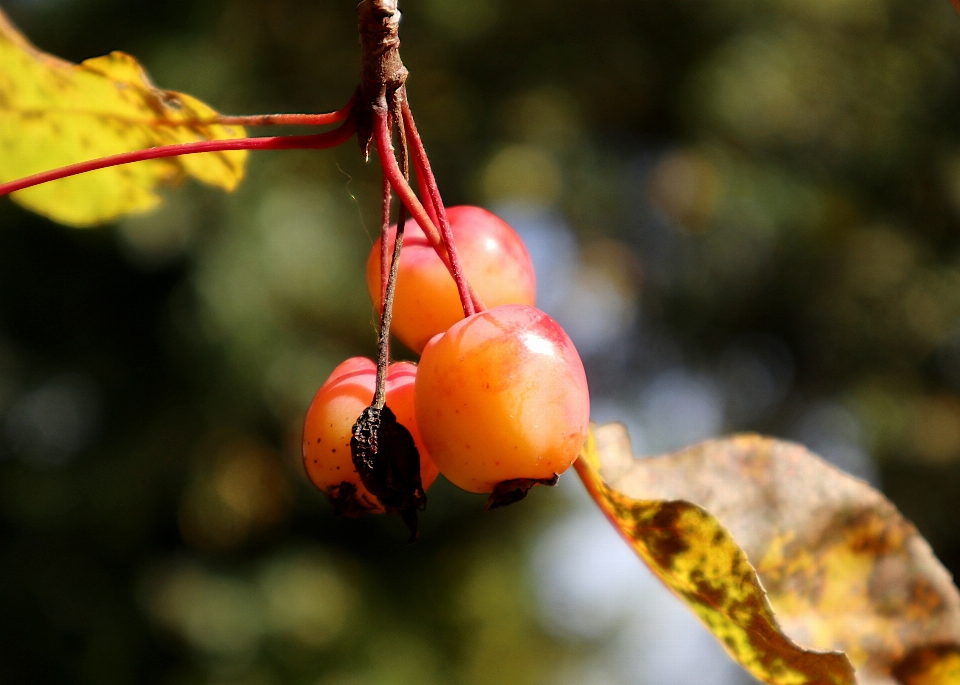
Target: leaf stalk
{"x":317,"y":141}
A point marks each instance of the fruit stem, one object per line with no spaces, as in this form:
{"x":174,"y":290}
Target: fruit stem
{"x":384,"y":246}
{"x":389,"y":276}
{"x":448,"y":253}
{"x":316,"y":141}
{"x":382,"y":94}
{"x":436,"y":241}
{"x":428,"y":185}
{"x":391,"y":171}
{"x":422,"y":184}
{"x":383,"y":351}
{"x":386,"y":315}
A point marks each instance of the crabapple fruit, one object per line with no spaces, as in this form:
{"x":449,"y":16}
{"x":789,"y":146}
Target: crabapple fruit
{"x":495,"y":262}
{"x":335,"y":408}
{"x":502,"y":395}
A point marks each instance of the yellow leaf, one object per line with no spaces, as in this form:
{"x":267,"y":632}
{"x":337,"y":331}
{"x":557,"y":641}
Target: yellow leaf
{"x":54,"y":113}
{"x":936,"y":665}
{"x":842,"y":569}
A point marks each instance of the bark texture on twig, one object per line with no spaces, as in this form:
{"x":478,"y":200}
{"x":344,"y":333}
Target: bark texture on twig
{"x":382,"y":72}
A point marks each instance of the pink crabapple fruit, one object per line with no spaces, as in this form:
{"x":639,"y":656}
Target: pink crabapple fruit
{"x":502,"y":395}
{"x":495,"y":262}
{"x":328,"y":426}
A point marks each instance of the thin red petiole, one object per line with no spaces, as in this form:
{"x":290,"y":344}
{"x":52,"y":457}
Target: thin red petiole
{"x":422,"y":185}
{"x":287,"y":119}
{"x":391,"y":171}
{"x":432,"y":211}
{"x":428,"y":186}
{"x":447,"y":252}
{"x":317,"y":141}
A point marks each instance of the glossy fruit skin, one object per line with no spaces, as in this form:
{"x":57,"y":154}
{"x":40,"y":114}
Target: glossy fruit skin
{"x":494,"y":259}
{"x":336,"y":407}
{"x":502,"y":395}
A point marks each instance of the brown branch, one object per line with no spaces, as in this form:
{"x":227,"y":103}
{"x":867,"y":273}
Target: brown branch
{"x":382,"y":72}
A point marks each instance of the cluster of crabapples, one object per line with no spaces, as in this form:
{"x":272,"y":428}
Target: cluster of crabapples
{"x":497,"y":396}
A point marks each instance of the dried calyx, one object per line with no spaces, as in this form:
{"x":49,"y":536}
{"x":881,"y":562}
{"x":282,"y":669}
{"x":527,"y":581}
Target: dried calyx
{"x":388,"y":463}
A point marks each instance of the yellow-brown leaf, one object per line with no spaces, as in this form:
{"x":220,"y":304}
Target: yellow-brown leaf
{"x":54,"y":113}
{"x":936,"y":665}
{"x":842,"y":569}
{"x":697,"y":558}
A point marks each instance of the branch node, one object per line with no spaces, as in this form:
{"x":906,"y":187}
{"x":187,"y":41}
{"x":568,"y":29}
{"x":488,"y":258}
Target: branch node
{"x":382,"y":72}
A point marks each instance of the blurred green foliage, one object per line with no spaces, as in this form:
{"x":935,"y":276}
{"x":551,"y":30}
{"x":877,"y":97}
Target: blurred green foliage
{"x":788,"y":169}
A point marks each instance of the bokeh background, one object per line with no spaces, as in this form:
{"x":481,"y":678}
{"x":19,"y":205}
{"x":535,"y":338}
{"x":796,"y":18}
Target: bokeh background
{"x":745,"y":212}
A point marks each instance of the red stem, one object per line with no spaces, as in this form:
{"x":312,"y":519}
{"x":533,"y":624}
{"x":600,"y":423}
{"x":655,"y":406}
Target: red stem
{"x":287,"y":119}
{"x":422,"y":184}
{"x":317,"y":141}
{"x":428,"y":185}
{"x":391,"y":170}
{"x":432,"y":211}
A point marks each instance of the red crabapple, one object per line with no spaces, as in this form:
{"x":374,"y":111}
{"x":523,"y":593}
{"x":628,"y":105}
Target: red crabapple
{"x":335,"y":408}
{"x":502,"y":395}
{"x":495,"y":263}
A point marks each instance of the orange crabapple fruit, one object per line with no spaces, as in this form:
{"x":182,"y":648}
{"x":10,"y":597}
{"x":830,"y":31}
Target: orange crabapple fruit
{"x":329,"y":423}
{"x":495,"y":262}
{"x":502,"y":395}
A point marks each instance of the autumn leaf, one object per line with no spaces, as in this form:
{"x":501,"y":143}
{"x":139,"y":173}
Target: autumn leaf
{"x":936,"y":665}
{"x":54,"y":113}
{"x":842,"y":569}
